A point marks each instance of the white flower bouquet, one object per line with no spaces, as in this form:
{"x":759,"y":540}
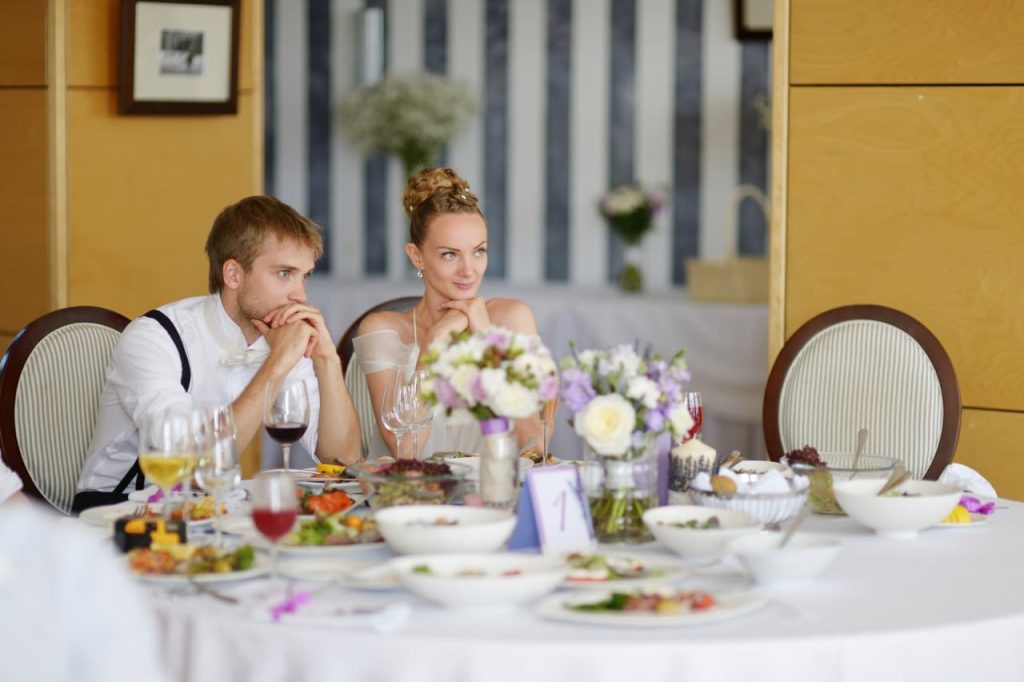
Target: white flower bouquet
{"x":621,"y":401}
{"x":493,"y":373}
{"x":412,"y":116}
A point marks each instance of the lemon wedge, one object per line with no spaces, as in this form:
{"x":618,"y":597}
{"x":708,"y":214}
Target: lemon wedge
{"x":958,"y":515}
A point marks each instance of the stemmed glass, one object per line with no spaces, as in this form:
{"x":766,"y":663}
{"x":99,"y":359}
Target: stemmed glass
{"x":217,"y":465}
{"x":167,"y":452}
{"x":547,"y":422}
{"x":411,"y":409}
{"x":692,"y":400}
{"x":389,"y":409}
{"x":274,"y":509}
{"x":286,"y":415}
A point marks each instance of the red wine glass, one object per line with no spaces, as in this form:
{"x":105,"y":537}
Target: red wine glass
{"x":286,"y":415}
{"x":694,"y":406}
{"x":274,"y":509}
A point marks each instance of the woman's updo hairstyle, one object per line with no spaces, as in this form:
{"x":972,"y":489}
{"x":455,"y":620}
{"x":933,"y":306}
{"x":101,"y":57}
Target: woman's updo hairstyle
{"x":433,"y":192}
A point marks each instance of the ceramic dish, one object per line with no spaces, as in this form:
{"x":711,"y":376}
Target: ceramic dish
{"x":697,"y":543}
{"x":432,"y":529}
{"x":903,"y":511}
{"x":628,"y":571}
{"x":729,"y":605}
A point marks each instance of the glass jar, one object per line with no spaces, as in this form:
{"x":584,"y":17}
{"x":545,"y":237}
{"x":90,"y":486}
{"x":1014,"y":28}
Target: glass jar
{"x":499,"y":458}
{"x":620,"y":489}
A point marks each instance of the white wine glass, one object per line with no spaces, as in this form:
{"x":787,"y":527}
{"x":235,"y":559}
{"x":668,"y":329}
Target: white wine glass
{"x":274,"y":509}
{"x":389,"y":408}
{"x":167,"y":451}
{"x":411,"y":410}
{"x":217,"y":465}
{"x":286,"y":415}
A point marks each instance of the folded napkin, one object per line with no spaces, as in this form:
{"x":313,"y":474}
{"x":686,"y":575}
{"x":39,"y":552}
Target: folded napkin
{"x":309,"y":608}
{"x":968,"y":479}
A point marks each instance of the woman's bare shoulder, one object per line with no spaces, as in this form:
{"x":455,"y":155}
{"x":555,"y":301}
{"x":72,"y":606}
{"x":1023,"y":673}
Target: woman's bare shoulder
{"x":386,"y":320}
{"x":512,"y":314}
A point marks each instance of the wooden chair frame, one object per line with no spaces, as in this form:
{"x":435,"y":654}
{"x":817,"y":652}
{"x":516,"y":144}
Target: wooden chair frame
{"x":929,"y":343}
{"x":345,"y":348}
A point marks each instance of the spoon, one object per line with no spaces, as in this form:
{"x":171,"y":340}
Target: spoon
{"x":793,"y":526}
{"x":898,"y":475}
{"x":862,"y":438}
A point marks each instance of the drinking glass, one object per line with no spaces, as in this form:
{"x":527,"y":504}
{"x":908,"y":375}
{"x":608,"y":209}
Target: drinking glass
{"x":411,"y":409}
{"x":274,"y":509}
{"x":286,"y":415}
{"x":692,"y":400}
{"x":389,"y":408}
{"x":217,"y":465}
{"x":547,"y":423}
{"x":167,"y":451}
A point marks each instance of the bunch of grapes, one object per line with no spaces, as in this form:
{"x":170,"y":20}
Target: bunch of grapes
{"x":805,"y":455}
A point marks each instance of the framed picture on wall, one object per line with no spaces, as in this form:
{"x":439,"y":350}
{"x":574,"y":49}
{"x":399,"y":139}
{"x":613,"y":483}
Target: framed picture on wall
{"x":179,"y":57}
{"x":753,"y":19}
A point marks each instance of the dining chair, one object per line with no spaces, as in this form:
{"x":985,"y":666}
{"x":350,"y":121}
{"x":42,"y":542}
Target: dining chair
{"x":51,"y":378}
{"x":355,"y":379}
{"x":865,"y":366}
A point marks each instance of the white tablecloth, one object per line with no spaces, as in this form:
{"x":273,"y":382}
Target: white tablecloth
{"x":726,"y":344}
{"x":944,"y":606}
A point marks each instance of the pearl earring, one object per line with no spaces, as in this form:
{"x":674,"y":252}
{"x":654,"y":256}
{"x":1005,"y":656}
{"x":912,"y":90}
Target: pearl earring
{"x":419,"y":273}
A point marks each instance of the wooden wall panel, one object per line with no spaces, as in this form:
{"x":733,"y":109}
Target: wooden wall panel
{"x":143,"y":192}
{"x":907,"y":41}
{"x":910,"y":197}
{"x":94,"y":36}
{"x":22,"y":42}
{"x":990,"y":442}
{"x":24,"y":259}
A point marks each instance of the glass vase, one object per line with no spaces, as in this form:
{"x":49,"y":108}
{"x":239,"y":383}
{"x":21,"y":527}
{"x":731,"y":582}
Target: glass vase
{"x":631,"y":277}
{"x":620,"y":489}
{"x":499,"y":458}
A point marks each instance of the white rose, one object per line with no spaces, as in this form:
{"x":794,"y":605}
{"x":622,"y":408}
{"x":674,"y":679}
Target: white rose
{"x":515,"y":401}
{"x":643,"y":390}
{"x":680,"y":419}
{"x":587,"y":358}
{"x":606,"y":423}
{"x":493,"y":382}
{"x":462,"y":381}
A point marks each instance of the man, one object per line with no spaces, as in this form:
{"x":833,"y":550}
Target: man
{"x":253,"y":330}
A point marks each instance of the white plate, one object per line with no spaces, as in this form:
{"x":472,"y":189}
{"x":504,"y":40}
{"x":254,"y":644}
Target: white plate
{"x":108,"y":514}
{"x":259,"y":568}
{"x":976,"y":520}
{"x":729,"y":606}
{"x":658,"y":569}
{"x":320,"y":570}
{"x":377,"y":577}
{"x":318,"y":550}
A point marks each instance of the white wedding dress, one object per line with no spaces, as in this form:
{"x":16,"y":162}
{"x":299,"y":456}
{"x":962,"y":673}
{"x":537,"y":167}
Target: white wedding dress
{"x":381,"y":351}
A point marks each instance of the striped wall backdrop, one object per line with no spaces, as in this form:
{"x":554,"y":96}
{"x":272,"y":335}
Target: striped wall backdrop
{"x":575,"y":95}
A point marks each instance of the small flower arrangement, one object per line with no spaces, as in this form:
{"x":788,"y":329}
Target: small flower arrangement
{"x":630,"y":211}
{"x":412,"y":116}
{"x":621,"y":399}
{"x":493,"y":373}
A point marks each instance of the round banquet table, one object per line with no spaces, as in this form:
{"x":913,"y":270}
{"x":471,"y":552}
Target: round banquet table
{"x":946,"y":605}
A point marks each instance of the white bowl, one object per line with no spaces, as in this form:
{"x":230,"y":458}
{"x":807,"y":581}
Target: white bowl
{"x":893,"y":514}
{"x":803,"y":557}
{"x":501,"y":579}
{"x":695,"y":543}
{"x":758,"y":466}
{"x":764,"y":507}
{"x":414,"y":529}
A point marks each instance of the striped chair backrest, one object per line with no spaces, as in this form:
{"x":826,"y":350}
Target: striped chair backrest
{"x":355,"y":381}
{"x":871,"y":373}
{"x":56,"y":375}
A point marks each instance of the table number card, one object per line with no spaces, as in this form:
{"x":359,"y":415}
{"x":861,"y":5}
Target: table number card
{"x":553,"y":513}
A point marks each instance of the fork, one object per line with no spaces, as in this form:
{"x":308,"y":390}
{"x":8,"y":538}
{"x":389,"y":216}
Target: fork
{"x":200,"y":587}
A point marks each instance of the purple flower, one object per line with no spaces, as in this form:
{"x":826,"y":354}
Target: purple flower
{"x":476,"y":387}
{"x":498,"y":339}
{"x":446,"y":394}
{"x":577,"y":390}
{"x":654,"y":420}
{"x":290,"y":605}
{"x":974,"y":505}
{"x":548,"y":388}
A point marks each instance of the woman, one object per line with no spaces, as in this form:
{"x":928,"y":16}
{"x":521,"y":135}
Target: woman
{"x":448,"y":248}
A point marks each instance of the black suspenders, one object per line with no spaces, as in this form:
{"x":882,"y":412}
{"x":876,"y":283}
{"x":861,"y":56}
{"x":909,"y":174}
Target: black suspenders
{"x":186,"y":380}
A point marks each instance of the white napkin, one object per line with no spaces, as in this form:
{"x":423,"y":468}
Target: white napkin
{"x":969,"y":479}
{"x":337,"y":612}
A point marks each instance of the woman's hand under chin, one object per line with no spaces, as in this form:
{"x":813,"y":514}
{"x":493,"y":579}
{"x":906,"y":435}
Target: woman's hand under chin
{"x":475,"y":311}
{"x":450,"y":322}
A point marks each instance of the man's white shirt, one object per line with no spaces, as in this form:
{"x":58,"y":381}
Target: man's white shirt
{"x":144,"y":378}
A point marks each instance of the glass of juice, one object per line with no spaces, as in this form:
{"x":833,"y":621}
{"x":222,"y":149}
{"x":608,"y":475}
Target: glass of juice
{"x":274,"y":509}
{"x":167,"y":451}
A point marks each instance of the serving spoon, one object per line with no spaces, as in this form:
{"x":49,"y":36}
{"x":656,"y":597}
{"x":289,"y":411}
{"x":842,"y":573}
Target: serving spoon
{"x":862,"y":438}
{"x":793,"y":526}
{"x":898,"y":475}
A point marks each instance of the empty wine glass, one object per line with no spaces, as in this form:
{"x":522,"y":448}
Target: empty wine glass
{"x":389,"y":415}
{"x":286,"y":415}
{"x":217,"y":465}
{"x":167,"y":451}
{"x":274,"y":509}
{"x":547,"y":423}
{"x":411,"y":409}
{"x":692,"y":400}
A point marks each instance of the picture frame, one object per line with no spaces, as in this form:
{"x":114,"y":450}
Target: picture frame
{"x":179,"y":57}
{"x":753,"y":19}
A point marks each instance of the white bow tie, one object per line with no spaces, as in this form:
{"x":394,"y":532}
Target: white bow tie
{"x":243,"y":358}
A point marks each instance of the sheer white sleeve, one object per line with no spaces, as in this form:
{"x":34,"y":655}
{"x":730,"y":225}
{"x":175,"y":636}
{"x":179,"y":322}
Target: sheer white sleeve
{"x":383,"y":349}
